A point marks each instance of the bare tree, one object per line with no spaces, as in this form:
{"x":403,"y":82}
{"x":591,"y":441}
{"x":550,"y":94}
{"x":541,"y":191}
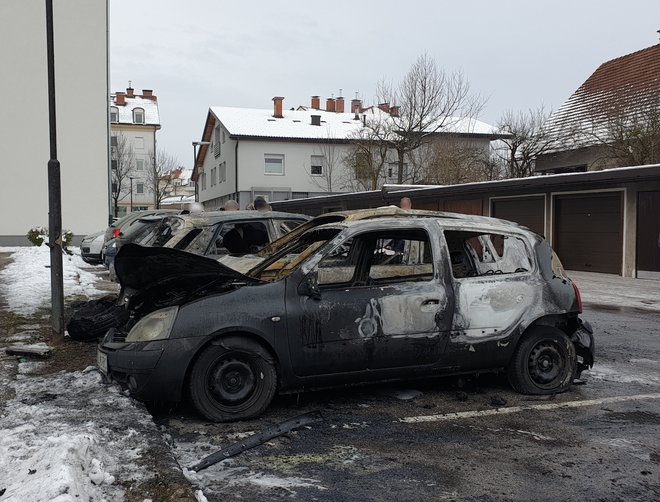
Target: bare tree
{"x":427,"y":101}
{"x":158,"y":176}
{"x":325,"y":169}
{"x":122,"y":158}
{"x":629,"y":134}
{"x":367,"y":157}
{"x":526,"y":140}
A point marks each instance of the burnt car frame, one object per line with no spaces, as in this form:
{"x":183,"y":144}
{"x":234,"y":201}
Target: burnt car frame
{"x":346,"y":298}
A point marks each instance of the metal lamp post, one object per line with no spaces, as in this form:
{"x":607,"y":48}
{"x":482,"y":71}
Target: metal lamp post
{"x":131,"y":178}
{"x":195,"y":144}
{"x":54,"y":193}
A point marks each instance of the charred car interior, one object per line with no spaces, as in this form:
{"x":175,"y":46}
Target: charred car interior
{"x":346,"y":298}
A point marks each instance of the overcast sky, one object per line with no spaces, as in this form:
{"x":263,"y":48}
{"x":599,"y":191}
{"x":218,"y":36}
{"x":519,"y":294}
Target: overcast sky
{"x":518,"y":54}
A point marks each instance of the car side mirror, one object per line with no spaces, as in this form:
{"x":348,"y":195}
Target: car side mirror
{"x":309,"y":286}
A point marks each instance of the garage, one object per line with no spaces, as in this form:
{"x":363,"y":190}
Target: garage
{"x":527,"y":211}
{"x":588,"y":231}
{"x":648,"y":235}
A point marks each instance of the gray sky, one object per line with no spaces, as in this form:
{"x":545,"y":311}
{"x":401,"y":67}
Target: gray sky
{"x":518,"y":53}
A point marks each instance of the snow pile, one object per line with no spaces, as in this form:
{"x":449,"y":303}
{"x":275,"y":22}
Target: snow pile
{"x":54,"y":448}
{"x":25,"y":282}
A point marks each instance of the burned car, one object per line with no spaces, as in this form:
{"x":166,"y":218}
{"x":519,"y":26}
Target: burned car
{"x":346,"y":298}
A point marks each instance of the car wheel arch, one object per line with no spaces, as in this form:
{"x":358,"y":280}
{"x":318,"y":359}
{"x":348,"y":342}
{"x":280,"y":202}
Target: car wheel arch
{"x":223,"y":337}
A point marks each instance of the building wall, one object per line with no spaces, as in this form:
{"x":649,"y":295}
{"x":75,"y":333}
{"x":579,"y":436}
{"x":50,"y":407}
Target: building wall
{"x":592,"y":158}
{"x":81,"y":98}
{"x":252,"y":178}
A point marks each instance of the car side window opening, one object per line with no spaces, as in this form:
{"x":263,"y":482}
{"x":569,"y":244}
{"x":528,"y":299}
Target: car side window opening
{"x":379,"y":258}
{"x":240,"y":238}
{"x":476,"y":254}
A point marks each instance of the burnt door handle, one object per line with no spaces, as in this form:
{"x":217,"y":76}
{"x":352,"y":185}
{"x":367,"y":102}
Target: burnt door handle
{"x":430,"y":302}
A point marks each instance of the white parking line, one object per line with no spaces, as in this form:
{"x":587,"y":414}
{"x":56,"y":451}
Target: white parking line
{"x":516,"y":409}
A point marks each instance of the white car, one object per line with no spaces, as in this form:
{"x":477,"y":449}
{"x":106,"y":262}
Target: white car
{"x":90,"y":248}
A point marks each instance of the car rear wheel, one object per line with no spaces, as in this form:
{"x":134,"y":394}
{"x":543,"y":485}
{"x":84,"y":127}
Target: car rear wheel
{"x":233,"y":379}
{"x":544,"y":362}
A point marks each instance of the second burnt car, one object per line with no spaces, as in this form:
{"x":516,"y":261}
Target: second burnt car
{"x":346,"y":298}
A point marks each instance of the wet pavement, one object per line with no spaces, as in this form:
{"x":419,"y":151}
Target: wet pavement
{"x":456,"y":439}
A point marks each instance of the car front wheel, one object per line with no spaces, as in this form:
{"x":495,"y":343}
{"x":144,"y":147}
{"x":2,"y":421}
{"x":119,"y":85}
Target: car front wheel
{"x":544,"y":362}
{"x":233,"y":379}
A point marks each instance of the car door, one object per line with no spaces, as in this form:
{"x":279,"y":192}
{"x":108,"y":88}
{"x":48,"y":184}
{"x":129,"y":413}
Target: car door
{"x":367,"y":306}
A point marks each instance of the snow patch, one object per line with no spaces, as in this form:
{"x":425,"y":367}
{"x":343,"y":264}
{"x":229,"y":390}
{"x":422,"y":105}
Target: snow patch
{"x":25,"y":281}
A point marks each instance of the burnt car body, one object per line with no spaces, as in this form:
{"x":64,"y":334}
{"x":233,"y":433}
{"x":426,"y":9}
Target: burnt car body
{"x":346,"y":298}
{"x":210,"y":233}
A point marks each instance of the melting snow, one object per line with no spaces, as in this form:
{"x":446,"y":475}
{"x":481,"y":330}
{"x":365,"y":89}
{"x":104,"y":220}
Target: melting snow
{"x":25,"y":282}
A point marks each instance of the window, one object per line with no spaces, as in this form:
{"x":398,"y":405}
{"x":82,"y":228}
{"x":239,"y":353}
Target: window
{"x":363,"y":166}
{"x":113,"y":164}
{"x":139,"y":188}
{"x":379,"y":258}
{"x":203,"y":176}
{"x":139,"y":164}
{"x":224,"y":136}
{"x":318,"y":161}
{"x":214,"y":176}
{"x":216,"y":141}
{"x":139,"y":143}
{"x":138,"y":115}
{"x":274,"y":164}
{"x":114,"y":114}
{"x":240,"y":238}
{"x":476,"y":254}
{"x":113,"y":140}
{"x":393,"y":169}
{"x":223,"y":172}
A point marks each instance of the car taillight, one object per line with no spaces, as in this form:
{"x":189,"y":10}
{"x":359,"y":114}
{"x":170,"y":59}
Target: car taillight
{"x":579,"y":298}
{"x":115,"y":233}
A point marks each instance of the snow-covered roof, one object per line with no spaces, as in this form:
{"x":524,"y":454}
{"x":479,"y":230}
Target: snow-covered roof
{"x":150,"y":107}
{"x":297,"y":124}
{"x":617,"y":91}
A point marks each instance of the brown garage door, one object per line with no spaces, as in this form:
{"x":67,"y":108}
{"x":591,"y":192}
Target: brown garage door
{"x":528,"y":211}
{"x":588,"y":232}
{"x":648,"y":235}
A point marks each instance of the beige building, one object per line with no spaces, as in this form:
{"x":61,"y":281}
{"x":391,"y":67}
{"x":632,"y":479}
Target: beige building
{"x":81,"y":87}
{"x":134,"y":120}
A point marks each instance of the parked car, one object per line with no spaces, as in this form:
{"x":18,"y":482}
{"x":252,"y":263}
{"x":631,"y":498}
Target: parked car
{"x":91,"y":247}
{"x":131,"y":232}
{"x":347,"y":298}
{"x":121,"y":224}
{"x":219,"y":233}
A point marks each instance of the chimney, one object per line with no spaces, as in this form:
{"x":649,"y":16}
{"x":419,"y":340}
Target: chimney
{"x":316,"y":120}
{"x":277,"y":107}
{"x":339,"y":105}
{"x":330,"y":105}
{"x":384,"y":107}
{"x":129,"y":92}
{"x":316,"y":102}
{"x":148,"y":94}
{"x":394,"y":111}
{"x":356,"y":105}
{"x":120,"y":99}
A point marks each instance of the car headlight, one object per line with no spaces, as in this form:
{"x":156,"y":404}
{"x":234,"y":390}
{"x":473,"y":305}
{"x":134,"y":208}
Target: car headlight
{"x":155,"y":326}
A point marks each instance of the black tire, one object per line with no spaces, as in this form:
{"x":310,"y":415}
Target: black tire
{"x":544,"y":362}
{"x":233,"y":379}
{"x":95,"y":318}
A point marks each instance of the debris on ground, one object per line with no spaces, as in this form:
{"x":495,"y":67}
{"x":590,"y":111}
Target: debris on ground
{"x":40,"y":349}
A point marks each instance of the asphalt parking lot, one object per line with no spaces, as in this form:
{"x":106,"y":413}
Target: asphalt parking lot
{"x":468,"y":438}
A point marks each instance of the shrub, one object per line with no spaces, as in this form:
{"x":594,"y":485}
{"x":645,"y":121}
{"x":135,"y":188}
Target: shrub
{"x":38,"y":235}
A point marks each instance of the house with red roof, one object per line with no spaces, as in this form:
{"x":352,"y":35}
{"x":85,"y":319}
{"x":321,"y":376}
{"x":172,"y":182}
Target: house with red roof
{"x":611,"y":120}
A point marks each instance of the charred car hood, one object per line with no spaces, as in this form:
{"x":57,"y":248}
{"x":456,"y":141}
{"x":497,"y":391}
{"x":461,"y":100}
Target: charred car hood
{"x":138,"y":267}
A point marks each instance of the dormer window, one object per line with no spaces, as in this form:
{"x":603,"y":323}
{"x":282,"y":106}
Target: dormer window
{"x":138,"y":115}
{"x":114,"y":114}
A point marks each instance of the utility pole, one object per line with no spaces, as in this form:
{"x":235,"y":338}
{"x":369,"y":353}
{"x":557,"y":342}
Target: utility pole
{"x":54,"y":194}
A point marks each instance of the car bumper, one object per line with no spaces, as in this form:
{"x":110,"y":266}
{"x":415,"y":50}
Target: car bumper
{"x":583,"y":340}
{"x":144,"y":368}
